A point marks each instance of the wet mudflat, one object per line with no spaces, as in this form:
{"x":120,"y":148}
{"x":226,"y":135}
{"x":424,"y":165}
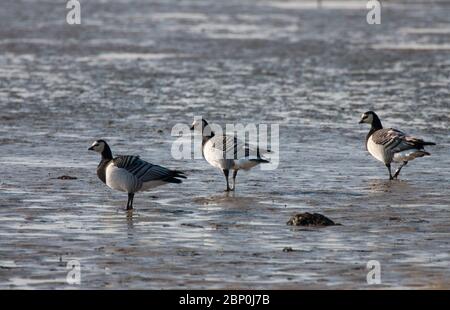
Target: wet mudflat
{"x":134,"y":69}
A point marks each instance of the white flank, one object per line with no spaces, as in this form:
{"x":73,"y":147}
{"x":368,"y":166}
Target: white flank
{"x":245,"y":164}
{"x":215,"y":157}
{"x":120,"y":179}
{"x":151,"y":184}
{"x":407,"y":155}
{"x":376,"y":150}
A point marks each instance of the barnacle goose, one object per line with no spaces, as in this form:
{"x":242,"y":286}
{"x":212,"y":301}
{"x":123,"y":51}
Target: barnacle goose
{"x":131,"y":174}
{"x":227,"y":152}
{"x":392,"y":145}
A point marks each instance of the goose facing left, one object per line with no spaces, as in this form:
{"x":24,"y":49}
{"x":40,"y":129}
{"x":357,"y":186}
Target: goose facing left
{"x":392,"y":145}
{"x":128,"y":173}
{"x":227,"y":152}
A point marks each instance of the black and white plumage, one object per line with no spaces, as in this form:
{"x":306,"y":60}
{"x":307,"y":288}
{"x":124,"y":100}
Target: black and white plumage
{"x":128,"y":173}
{"x":391,"y":145}
{"x":227,"y":152}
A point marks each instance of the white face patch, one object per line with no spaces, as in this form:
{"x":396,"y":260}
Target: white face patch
{"x":196,"y":124}
{"x":98,"y":146}
{"x":366,"y":118}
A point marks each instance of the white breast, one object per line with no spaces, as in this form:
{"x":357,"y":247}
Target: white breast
{"x":215,"y":157}
{"x":245,"y":163}
{"x":376,"y":150}
{"x":151,"y":184}
{"x":121,"y":180}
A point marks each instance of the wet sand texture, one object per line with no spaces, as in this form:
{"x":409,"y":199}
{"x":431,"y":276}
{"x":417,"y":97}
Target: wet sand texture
{"x":132,"y":70}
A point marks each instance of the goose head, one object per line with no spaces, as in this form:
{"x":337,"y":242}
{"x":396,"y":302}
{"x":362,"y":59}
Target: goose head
{"x":199,"y":124}
{"x":368,"y":117}
{"x":98,"y":146}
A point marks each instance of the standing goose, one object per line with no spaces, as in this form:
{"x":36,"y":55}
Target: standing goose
{"x":391,"y":145}
{"x":131,"y":174}
{"x":227,"y":152}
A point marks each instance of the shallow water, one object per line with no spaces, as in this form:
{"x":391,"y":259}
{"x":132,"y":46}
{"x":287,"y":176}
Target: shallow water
{"x":131,"y":71}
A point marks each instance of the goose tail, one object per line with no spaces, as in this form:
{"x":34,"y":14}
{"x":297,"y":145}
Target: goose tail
{"x":428,"y":143}
{"x":421,"y":154}
{"x":260,"y":160}
{"x":175,"y":177}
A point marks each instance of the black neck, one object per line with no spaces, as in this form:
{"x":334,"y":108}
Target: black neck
{"x":207,"y":135}
{"x":106,"y":158}
{"x":376,"y":125}
{"x":107,"y":154}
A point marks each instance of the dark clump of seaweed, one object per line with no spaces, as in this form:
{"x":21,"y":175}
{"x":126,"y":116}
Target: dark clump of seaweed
{"x":308,"y":219}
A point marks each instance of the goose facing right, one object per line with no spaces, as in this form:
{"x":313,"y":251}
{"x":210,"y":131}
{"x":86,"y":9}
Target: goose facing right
{"x":227,"y":153}
{"x":128,"y":173}
{"x":391,"y":145}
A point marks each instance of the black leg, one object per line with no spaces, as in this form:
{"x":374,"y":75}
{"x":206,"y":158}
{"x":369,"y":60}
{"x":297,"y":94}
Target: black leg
{"x":398,"y":169}
{"x":226,"y":172}
{"x":390,"y":173}
{"x":130,"y":201}
{"x":234,"y":179}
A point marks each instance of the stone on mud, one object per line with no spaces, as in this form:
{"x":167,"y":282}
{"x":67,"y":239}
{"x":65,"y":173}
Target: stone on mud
{"x":66,"y":177}
{"x":308,"y":219}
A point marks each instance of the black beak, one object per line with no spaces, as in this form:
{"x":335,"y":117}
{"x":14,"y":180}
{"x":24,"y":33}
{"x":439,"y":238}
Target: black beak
{"x":91,"y":148}
{"x":360,"y":121}
{"x":192,"y":127}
